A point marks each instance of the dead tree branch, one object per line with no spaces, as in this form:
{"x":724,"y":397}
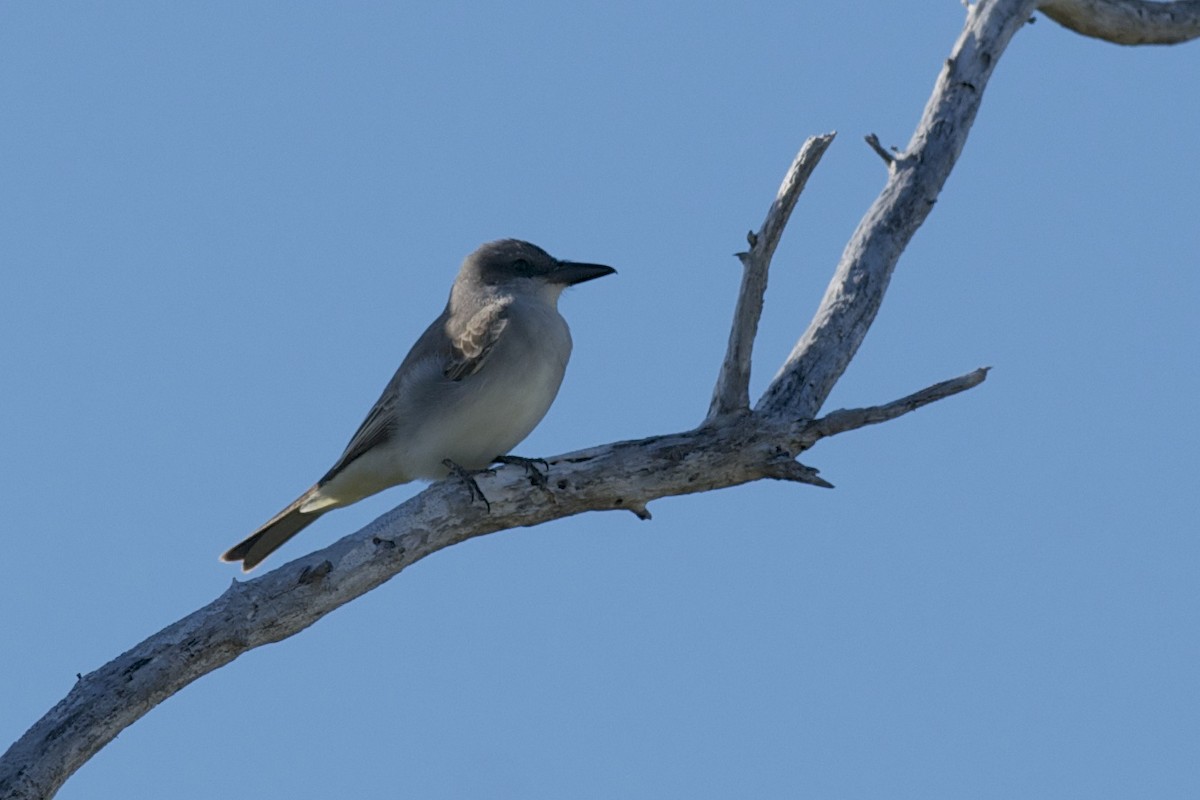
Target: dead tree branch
{"x":1129,"y":22}
{"x":285,"y":601}
{"x":849,"y":419}
{"x":732,"y":392}
{"x":915,"y":178}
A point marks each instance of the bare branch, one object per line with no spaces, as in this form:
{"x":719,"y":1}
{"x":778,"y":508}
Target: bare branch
{"x":281,"y":603}
{"x":849,"y":419}
{"x":1129,"y":22}
{"x":914,"y":181}
{"x":285,"y":601}
{"x":732,"y":391}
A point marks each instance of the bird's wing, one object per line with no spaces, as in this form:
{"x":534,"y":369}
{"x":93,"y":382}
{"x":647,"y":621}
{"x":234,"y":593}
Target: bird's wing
{"x":470,"y":348}
{"x":374,"y":431}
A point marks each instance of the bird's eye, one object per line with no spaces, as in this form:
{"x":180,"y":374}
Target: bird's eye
{"x":522,"y":267}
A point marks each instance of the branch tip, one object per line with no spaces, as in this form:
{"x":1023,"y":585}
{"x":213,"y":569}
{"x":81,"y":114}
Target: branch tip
{"x":848,"y":419}
{"x":879,"y":149}
{"x":786,"y":468}
{"x":640,"y":511}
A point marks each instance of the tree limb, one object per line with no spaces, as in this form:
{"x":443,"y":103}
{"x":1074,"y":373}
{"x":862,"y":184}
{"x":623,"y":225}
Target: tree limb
{"x":1129,"y":22}
{"x":285,"y":601}
{"x":732,"y":392}
{"x":915,"y":178}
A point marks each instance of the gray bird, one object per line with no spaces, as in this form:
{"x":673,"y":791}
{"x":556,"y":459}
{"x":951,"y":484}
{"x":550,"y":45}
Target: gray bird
{"x":474,"y":385}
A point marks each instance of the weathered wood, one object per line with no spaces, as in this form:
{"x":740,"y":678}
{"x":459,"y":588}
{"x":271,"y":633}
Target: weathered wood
{"x":915,"y":178}
{"x":1132,"y":22}
{"x":732,"y":392}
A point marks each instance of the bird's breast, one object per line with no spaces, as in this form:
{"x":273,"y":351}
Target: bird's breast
{"x":491,"y":411}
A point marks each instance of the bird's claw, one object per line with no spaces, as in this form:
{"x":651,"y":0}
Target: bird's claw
{"x":467,"y":476}
{"x":536,"y":476}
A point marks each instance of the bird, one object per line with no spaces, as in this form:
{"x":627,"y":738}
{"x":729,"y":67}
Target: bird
{"x":473,"y":386}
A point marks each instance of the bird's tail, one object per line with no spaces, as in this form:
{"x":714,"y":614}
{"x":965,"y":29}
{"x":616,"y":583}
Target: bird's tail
{"x":272,"y":535}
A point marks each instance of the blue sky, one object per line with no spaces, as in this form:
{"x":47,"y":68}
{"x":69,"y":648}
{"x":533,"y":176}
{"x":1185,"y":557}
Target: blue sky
{"x":221,"y":226}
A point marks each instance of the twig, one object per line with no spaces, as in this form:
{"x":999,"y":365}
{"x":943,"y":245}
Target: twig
{"x":879,"y":149}
{"x":849,"y":419}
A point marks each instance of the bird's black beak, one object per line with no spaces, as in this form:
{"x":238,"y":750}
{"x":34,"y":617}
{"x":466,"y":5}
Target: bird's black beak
{"x":570,"y":273}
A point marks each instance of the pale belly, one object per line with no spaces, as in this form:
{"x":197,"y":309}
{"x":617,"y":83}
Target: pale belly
{"x":480,"y":420}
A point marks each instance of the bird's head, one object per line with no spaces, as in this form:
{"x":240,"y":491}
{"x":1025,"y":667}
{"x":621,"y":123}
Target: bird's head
{"x":514,"y":265}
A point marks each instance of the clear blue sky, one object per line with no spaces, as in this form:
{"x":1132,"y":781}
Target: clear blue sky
{"x":221,"y":226}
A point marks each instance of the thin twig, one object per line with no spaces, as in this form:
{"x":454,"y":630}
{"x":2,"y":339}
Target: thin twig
{"x":879,"y":149}
{"x":848,"y":419}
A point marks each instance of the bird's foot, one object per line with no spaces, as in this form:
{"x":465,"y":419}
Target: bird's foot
{"x":467,"y":476}
{"x":536,"y":476}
